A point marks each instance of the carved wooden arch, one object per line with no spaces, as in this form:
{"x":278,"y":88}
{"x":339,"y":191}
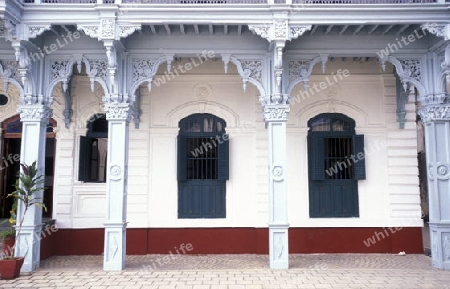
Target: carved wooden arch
{"x":51,"y":123}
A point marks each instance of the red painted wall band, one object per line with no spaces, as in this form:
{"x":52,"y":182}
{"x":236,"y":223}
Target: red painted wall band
{"x":238,"y":241}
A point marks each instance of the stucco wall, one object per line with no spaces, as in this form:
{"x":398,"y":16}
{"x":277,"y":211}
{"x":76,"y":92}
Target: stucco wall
{"x":388,"y":197}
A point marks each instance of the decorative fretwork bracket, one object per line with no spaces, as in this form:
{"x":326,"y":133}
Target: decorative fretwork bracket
{"x":440,"y":30}
{"x":19,"y":35}
{"x":108,"y":29}
{"x":409,"y":71}
{"x":277,"y":33}
{"x":279,"y":30}
{"x":250,"y":70}
{"x":300,"y":70}
{"x":110,"y":32}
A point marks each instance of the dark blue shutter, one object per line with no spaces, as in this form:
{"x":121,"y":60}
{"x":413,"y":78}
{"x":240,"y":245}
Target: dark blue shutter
{"x":83,"y":166}
{"x":318,"y":157}
{"x":223,"y":159}
{"x":360,"y":163}
{"x":181,"y":158}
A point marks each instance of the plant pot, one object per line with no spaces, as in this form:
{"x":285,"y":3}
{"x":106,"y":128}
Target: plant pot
{"x":10,"y":268}
{"x":8,"y":245}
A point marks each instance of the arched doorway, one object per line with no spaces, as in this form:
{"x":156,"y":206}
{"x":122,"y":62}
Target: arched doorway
{"x":10,"y":163}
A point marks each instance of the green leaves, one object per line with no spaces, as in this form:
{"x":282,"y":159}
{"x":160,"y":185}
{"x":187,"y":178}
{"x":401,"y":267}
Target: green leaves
{"x":28,"y":185}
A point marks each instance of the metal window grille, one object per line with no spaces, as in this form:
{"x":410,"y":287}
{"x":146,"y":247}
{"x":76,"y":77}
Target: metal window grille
{"x":202,"y":158}
{"x":338,"y":152}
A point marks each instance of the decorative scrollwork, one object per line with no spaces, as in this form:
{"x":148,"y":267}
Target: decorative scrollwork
{"x":89,"y":30}
{"x":281,"y":29}
{"x":276,"y":112}
{"x":99,"y":68}
{"x":431,"y":113}
{"x":108,"y":29}
{"x":8,"y":69}
{"x":58,"y":69}
{"x":252,"y":68}
{"x":143,"y":69}
{"x":261,"y":30}
{"x":35,"y":113}
{"x":440,"y":30}
{"x":298,"y":68}
{"x":119,"y":111}
{"x":125,"y":31}
{"x":297,"y":31}
{"x":411,"y":67}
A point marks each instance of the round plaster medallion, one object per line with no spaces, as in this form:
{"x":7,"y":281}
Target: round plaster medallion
{"x":277,"y":173}
{"x":443,"y":171}
{"x":115,"y":172}
{"x":202,"y":91}
{"x":332,"y":90}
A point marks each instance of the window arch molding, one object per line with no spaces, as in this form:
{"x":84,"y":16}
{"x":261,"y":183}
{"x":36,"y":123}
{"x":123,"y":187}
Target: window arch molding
{"x":332,"y":122}
{"x":200,"y":124}
{"x":219,"y":110}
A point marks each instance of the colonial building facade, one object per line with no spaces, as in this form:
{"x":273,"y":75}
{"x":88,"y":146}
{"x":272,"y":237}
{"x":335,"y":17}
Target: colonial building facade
{"x":256,"y":126}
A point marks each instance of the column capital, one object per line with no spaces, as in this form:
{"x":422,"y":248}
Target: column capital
{"x":118,"y":111}
{"x":276,"y":112}
{"x":433,"y":112}
{"x":35,"y":112}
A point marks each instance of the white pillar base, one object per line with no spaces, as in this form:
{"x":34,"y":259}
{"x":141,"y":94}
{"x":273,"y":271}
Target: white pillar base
{"x":114,"y":258}
{"x":28,"y":245}
{"x":440,"y":245}
{"x":278,"y":246}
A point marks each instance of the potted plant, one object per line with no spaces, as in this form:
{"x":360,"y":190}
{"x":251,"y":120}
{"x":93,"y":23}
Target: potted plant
{"x":8,"y":236}
{"x":28,"y":185}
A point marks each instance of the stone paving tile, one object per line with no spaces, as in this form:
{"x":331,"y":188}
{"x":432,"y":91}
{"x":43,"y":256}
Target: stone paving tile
{"x":238,"y":271}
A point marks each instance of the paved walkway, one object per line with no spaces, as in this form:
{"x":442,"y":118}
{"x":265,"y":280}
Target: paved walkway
{"x":237,"y":272}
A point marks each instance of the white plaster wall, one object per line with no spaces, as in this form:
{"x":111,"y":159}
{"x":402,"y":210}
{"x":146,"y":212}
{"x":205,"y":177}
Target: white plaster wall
{"x":152,"y":186}
{"x":390,"y":194}
{"x":178,"y":98}
{"x":388,"y":197}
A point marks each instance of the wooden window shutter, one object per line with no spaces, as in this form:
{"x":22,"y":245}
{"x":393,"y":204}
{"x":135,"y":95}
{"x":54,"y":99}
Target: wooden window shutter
{"x":181,"y":158}
{"x":318,"y":157}
{"x":360,"y":163}
{"x":223,"y":154}
{"x":84,"y":162}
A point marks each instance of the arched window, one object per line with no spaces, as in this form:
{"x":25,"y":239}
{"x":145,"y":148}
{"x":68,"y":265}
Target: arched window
{"x":94,"y":150}
{"x":336,"y":161}
{"x":202,"y":166}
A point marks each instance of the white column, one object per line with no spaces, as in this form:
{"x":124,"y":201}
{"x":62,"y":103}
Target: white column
{"x":276,"y":117}
{"x":118,"y":116}
{"x":436,"y":118}
{"x":35,"y":119}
